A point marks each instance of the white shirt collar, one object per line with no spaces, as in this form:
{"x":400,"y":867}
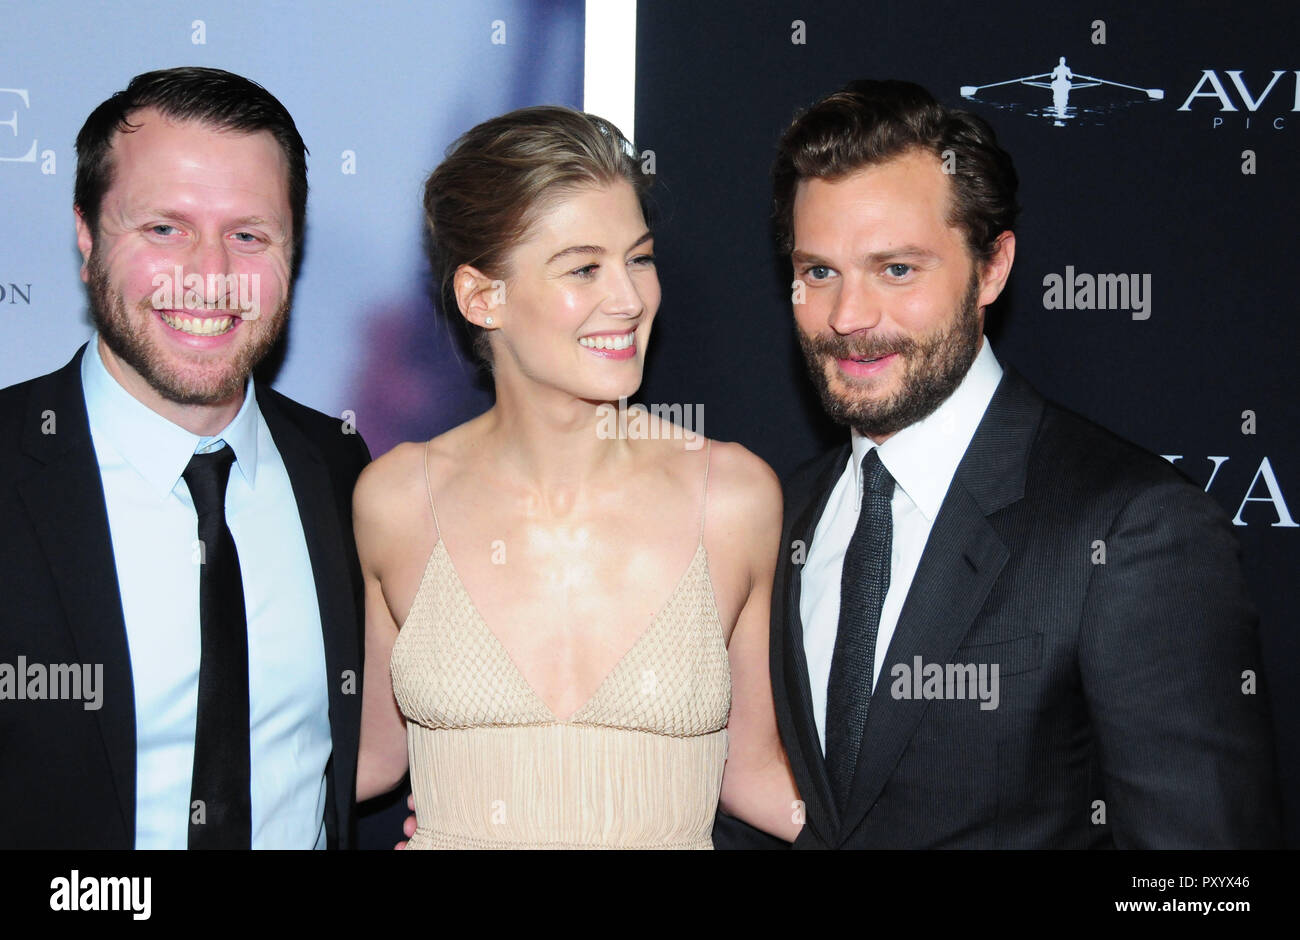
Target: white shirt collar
{"x":156,"y":448}
{"x":923,"y":457}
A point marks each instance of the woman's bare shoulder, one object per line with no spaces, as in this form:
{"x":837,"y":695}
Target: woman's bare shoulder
{"x":448,"y":452}
{"x":743,"y":517}
{"x":387,"y":480}
{"x":390,"y":481}
{"x":737,"y":474}
{"x":385,"y":506}
{"x":744,"y":494}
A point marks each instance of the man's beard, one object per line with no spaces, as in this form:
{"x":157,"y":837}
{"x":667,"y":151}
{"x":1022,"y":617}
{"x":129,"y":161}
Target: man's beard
{"x":933,"y":367}
{"x":130,"y":342}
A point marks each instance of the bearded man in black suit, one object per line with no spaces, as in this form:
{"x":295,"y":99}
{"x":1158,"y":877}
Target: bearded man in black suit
{"x":181,"y":628}
{"x":994,"y":623}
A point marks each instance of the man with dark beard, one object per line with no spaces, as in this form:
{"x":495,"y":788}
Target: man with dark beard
{"x":994,"y":624}
{"x":177,"y":542}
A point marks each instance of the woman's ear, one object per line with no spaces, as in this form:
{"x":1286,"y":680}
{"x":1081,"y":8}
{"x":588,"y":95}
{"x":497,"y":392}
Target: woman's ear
{"x":479,"y":297}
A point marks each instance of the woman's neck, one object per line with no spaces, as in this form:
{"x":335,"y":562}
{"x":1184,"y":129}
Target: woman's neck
{"x":555,"y":442}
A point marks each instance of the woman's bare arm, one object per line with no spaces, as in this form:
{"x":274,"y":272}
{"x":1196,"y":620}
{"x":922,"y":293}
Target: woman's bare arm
{"x":382,"y":761}
{"x":757,"y":784}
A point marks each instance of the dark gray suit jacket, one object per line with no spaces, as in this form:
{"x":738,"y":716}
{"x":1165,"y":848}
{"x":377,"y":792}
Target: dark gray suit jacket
{"x":1121,"y":718}
{"x":67,"y":775}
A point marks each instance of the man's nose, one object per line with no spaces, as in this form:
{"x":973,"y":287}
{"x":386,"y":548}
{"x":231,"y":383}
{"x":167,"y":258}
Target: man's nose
{"x":858,"y":307}
{"x":210,"y":259}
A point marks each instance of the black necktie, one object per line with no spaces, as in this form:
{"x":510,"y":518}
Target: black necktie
{"x":863,"y":584}
{"x":221,"y":747}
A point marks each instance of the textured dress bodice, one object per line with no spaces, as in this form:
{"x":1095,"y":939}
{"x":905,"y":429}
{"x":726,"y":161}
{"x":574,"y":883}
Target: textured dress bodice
{"x":639,"y":765}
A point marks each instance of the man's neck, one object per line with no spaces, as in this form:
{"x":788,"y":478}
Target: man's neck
{"x":203,"y":420}
{"x":879,"y":439}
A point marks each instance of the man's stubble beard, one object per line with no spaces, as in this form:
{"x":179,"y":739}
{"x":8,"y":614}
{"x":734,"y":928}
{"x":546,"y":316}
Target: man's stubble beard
{"x":130,"y":342}
{"x":933,"y":368}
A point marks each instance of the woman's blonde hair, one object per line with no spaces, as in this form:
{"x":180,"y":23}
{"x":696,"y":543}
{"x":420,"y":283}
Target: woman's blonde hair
{"x":500,"y":176}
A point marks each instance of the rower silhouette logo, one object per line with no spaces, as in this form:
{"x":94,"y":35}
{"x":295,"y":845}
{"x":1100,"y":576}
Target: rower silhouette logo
{"x":1065,"y":106}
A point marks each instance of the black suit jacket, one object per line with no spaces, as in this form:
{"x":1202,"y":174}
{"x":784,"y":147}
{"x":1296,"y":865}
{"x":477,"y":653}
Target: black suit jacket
{"x":67,"y":775}
{"x":1121,"y":718}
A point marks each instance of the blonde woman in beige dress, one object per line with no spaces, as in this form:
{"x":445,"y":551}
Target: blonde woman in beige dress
{"x":566,"y":628}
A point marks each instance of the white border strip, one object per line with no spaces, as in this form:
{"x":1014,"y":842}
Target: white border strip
{"x":609,"y":66}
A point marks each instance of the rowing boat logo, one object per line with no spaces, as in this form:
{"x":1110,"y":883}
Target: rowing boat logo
{"x":1062,"y":81}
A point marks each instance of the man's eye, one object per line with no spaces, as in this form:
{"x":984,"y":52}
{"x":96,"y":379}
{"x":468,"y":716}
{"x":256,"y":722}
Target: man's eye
{"x":162,"y":229}
{"x":246,"y":237}
{"x":818,"y":272}
{"x":898,"y":270}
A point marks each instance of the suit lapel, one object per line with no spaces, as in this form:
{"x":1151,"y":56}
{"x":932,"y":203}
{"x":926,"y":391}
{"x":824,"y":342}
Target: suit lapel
{"x":962,"y":559}
{"x":318,"y":509}
{"x":798,"y":690}
{"x":66,"y":509}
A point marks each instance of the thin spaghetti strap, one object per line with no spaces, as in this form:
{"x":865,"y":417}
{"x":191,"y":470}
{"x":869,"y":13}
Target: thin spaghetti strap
{"x":708,"y":453}
{"x":428,"y":488}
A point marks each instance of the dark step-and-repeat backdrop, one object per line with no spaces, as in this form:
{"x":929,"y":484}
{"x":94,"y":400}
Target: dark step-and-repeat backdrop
{"x":1169,"y":167}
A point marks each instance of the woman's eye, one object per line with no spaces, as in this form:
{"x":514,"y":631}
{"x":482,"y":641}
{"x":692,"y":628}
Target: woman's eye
{"x":644,"y":260}
{"x":585,"y":271}
{"x":898,"y":270}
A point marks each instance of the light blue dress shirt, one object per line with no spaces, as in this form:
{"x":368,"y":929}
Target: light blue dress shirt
{"x":922,"y":458}
{"x":154,"y":530}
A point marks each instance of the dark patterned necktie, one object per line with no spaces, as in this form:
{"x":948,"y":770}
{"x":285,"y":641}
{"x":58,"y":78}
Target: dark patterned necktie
{"x":863,"y":584}
{"x":221,"y":745}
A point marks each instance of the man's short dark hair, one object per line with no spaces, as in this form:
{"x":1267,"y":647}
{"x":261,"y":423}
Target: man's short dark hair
{"x":220,"y":99}
{"x":870,"y":122}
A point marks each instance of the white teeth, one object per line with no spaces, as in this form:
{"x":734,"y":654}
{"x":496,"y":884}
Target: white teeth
{"x":608,"y":342}
{"x":210,"y":326}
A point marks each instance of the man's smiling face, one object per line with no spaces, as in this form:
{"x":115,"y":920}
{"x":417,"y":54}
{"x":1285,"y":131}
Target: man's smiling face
{"x":892,"y":314}
{"x":186,"y":197}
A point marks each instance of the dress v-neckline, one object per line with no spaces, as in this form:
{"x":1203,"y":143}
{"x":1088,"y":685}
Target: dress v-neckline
{"x":575,"y":716}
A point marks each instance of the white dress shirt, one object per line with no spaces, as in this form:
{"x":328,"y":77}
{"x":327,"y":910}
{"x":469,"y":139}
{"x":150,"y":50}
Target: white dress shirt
{"x":922,"y":459}
{"x":154,"y":530}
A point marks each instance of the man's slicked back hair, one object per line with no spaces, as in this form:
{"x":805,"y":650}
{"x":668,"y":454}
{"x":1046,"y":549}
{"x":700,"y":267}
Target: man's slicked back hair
{"x":867,"y":123}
